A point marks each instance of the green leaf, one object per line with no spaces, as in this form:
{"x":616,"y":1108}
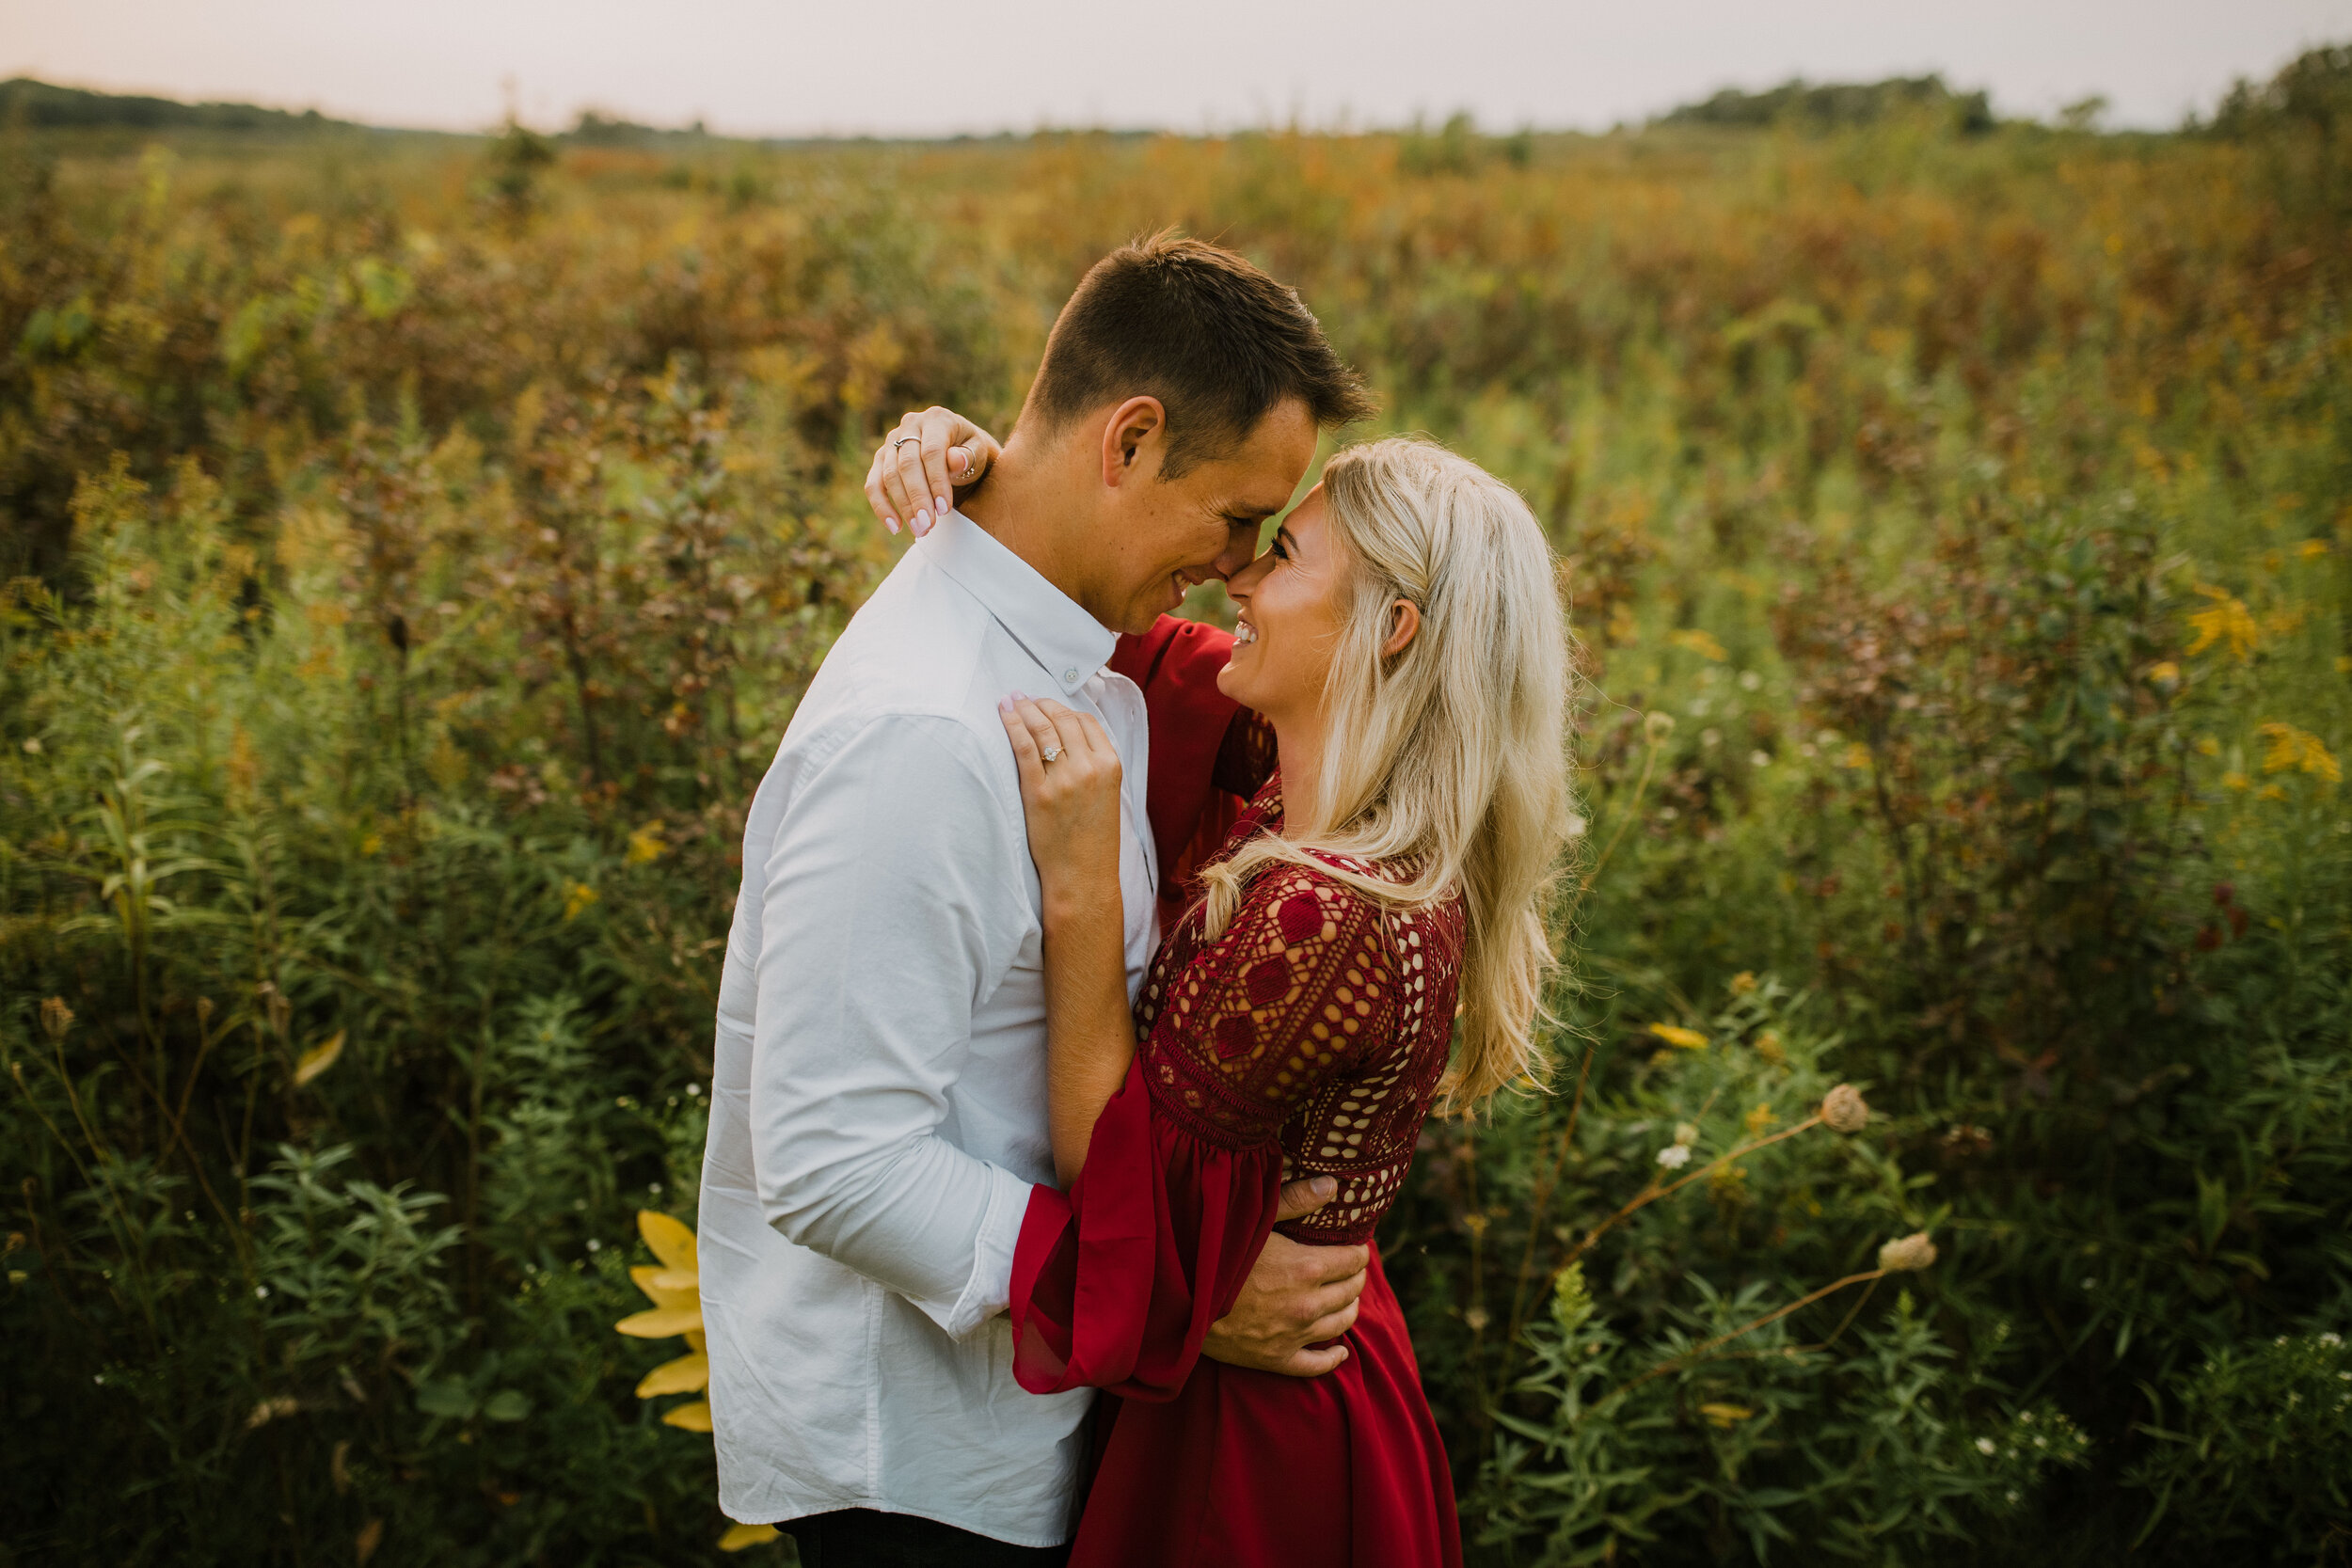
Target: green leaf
{"x":508,"y":1404}
{"x":446,"y":1397}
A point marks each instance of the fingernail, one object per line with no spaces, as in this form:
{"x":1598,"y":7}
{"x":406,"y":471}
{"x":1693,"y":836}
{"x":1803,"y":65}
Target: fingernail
{"x":1324,"y":1186}
{"x":944,"y":506}
{"x":921,"y":524}
{"x":891,"y":523}
{"x":1020,"y":697}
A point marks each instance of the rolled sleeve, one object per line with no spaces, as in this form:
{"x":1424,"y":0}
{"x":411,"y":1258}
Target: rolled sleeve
{"x":895,"y":901}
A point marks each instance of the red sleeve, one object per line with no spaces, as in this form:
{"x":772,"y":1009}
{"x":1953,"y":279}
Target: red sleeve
{"x":1115,"y":1284}
{"x":1203,"y":744}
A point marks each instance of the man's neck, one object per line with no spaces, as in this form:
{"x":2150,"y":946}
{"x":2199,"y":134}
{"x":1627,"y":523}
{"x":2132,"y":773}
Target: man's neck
{"x":1024,"y":507}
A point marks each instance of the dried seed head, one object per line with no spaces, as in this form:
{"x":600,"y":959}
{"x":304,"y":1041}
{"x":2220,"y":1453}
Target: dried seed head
{"x":56,"y":1018}
{"x":1913,"y":1252}
{"x":1844,"y":1110}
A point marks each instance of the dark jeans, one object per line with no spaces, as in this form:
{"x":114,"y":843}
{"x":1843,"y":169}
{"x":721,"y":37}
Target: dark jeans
{"x":862,"y":1538}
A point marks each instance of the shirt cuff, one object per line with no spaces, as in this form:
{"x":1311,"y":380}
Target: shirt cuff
{"x":989,"y":1291}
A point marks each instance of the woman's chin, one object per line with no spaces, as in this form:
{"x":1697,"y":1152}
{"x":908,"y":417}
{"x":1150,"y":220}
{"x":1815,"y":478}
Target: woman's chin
{"x":1231,"y":682}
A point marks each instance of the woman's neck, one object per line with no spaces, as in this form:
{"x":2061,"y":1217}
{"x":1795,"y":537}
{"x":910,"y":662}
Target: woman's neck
{"x":1298,"y":752}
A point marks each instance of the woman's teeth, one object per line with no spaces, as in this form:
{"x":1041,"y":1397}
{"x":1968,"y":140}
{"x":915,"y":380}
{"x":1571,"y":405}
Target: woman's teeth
{"x":1244,"y":633}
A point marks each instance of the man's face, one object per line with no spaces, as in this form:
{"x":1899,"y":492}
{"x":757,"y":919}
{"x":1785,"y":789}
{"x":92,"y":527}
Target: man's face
{"x":1166,"y":536}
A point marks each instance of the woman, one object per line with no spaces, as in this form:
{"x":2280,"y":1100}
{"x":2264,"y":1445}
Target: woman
{"x":1374,"y":914}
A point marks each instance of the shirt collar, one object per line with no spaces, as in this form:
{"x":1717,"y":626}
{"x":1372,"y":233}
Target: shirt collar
{"x":1066,"y":641}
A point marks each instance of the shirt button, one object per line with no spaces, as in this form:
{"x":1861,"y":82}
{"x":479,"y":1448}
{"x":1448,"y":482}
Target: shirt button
{"x":1070,"y":677}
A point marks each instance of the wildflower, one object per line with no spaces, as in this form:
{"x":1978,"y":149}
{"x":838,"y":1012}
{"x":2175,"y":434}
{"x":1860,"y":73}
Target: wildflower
{"x":1743,"y":982}
{"x":1673,"y":1034}
{"x":740,"y":1536}
{"x":1685,"y":1133}
{"x":676,"y":1290}
{"x":1656,"y":725}
{"x":1844,"y":1109}
{"x":2301,"y":750}
{"x":2166,"y":673}
{"x":1725,"y":1416}
{"x":2236,"y":780}
{"x":1759,"y":1119}
{"x":1910,"y":1253}
{"x":1768,"y":1046}
{"x":2229,"y":621}
{"x":578,"y":898}
{"x":646,"y":845}
{"x":1699,"y":642}
{"x":1674,"y":1156}
{"x":2311,"y":550}
{"x":1986,"y":1446}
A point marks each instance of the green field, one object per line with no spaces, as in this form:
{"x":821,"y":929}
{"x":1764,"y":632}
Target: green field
{"x":420,"y":543}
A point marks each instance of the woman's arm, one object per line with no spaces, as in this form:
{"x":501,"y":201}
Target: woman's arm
{"x":1073,"y":807}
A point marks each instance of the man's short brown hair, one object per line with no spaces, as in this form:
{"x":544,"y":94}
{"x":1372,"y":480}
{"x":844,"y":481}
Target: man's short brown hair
{"x":1218,"y":341}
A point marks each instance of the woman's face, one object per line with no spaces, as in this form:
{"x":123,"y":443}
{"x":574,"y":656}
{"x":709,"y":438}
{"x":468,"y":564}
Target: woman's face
{"x":1291,"y":601}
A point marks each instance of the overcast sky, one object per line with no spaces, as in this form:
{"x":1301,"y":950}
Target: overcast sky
{"x":927,"y":66}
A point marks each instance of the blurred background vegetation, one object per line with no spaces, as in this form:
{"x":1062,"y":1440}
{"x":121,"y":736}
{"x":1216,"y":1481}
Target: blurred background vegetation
{"x":415,"y":545}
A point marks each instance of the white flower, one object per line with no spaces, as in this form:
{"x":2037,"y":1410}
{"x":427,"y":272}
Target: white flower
{"x":693,"y":1089}
{"x":595,"y":1246}
{"x":261,"y":1292}
{"x":1986,"y":1446}
{"x":1675,"y":1156}
{"x":2332,"y":1339}
{"x":1685,"y":1133}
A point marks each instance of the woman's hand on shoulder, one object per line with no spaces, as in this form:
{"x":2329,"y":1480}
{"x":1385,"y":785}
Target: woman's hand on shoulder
{"x":1069,"y":775}
{"x":921,"y":463}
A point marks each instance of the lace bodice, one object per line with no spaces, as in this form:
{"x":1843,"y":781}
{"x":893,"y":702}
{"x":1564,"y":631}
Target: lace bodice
{"x":1321,"y":1017}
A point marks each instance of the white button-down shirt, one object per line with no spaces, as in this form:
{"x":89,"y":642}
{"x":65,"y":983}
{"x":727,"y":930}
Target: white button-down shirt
{"x":878,"y":1111}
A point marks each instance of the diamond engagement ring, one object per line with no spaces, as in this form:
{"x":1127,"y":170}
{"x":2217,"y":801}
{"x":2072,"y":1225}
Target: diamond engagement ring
{"x":1051,"y":753}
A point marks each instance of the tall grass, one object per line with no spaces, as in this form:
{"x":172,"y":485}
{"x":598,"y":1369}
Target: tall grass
{"x":422,"y":548}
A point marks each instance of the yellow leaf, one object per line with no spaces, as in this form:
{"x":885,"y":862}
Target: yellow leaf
{"x":1726,"y":1415}
{"x":690,"y":1418}
{"x":662,"y":1322}
{"x":1673,"y":1034}
{"x":685,"y":1375}
{"x":671,"y":1241}
{"x":742,"y":1536}
{"x":649,"y":1279}
{"x":646,"y":844}
{"x":674,"y":1280}
{"x":318,"y":1058}
{"x":1700,"y":643}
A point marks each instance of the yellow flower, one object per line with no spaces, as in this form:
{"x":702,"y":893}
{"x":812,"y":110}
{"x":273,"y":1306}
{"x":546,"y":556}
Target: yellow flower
{"x":646,"y":845}
{"x":2208,"y":747}
{"x":1700,"y":643}
{"x":1743,"y":982}
{"x":2236,"y":780}
{"x":747,"y":1535}
{"x":2165,"y":674}
{"x":1759,"y":1119}
{"x":2229,"y":621}
{"x":1858,"y":755}
{"x":2298,"y":750}
{"x":675,"y":1289}
{"x":2311,"y":550}
{"x":1673,"y":1034}
{"x":1726,"y":1415}
{"x":1768,"y":1046}
{"x":578,"y":898}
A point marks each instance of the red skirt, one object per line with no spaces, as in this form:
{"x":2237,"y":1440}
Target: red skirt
{"x":1114,"y":1287}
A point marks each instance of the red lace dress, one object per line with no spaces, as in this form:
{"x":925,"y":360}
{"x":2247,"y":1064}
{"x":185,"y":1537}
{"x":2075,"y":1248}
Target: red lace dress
{"x":1307,"y":1039}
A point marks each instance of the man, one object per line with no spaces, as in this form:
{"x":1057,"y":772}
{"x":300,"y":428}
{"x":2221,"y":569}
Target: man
{"x":879,"y":1105}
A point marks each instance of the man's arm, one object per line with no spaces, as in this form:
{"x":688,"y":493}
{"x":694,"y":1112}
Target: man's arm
{"x":1295,"y":1297}
{"x":895,"y":899}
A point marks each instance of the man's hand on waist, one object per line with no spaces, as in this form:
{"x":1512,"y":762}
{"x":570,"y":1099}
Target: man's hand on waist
{"x":1295,"y":1298}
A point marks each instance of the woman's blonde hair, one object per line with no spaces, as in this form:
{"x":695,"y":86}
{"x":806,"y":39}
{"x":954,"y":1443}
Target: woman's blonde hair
{"x":1449,"y":759}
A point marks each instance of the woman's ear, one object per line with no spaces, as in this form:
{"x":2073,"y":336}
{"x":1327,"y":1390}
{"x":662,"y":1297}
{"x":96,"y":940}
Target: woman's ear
{"x":1403,"y":626}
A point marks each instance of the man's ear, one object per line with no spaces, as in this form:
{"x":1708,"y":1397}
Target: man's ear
{"x":1403,"y":626}
{"x":1135,"y":438}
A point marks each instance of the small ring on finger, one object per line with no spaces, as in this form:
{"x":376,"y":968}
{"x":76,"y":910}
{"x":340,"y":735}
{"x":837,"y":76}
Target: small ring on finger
{"x":903,"y":441}
{"x":1051,"y":753}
